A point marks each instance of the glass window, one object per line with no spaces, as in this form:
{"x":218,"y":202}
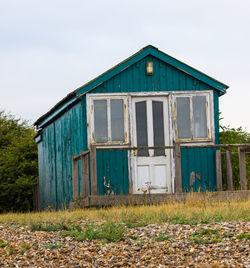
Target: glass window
{"x":200,"y":117}
{"x":109,"y":119}
{"x":192,"y":117}
{"x":141,"y":126}
{"x":183,"y":117}
{"x":158,"y":126}
{"x":100,"y":120}
{"x":117,"y":120}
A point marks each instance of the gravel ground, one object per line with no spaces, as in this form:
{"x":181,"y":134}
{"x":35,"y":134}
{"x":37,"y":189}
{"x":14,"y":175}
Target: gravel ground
{"x":205,"y":245}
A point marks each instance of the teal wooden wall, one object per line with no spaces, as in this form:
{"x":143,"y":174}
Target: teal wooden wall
{"x":62,"y":138}
{"x":67,"y":135}
{"x":165,"y":78}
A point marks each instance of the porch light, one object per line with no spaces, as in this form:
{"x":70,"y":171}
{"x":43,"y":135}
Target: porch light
{"x":149,"y":68}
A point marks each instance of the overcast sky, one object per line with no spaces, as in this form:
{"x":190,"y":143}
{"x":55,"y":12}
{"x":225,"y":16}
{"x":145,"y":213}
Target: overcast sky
{"x":49,"y":48}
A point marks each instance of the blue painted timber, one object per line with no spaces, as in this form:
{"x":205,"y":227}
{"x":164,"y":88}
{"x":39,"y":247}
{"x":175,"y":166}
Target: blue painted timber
{"x":64,"y":129}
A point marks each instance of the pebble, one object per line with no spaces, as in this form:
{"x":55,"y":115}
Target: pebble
{"x":179,"y":249}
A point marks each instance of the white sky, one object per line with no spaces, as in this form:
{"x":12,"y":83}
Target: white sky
{"x":49,"y":48}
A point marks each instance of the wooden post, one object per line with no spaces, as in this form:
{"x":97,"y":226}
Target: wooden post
{"x":85,"y":175}
{"x":36,"y":200}
{"x":243,"y":171}
{"x":229,"y":171}
{"x":178,"y":176}
{"x":93,"y":171}
{"x":75,"y":178}
{"x":218,"y":171}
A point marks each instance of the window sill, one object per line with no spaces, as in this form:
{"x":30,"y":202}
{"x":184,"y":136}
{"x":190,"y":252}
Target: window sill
{"x":195,"y":141}
{"x":110,"y":145}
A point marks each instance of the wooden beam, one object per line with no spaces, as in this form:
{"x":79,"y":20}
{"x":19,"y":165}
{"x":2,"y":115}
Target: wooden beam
{"x":243,"y":145}
{"x":36,"y":200}
{"x":178,"y":176}
{"x":133,"y":148}
{"x":93,"y":171}
{"x":85,"y":175}
{"x":243,"y":171}
{"x":75,"y":178}
{"x":218,"y":171}
{"x":78,"y":156}
{"x":229,"y":171}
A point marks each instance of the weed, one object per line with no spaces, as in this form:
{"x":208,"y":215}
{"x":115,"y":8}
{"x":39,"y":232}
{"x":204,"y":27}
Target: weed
{"x":182,"y":219}
{"x":133,"y":220}
{"x":12,"y":250}
{"x":131,"y":224}
{"x":206,"y":236}
{"x":47,"y":227}
{"x":162,"y":237}
{"x":3,"y":244}
{"x":243,"y":236}
{"x":24,"y":247}
{"x":53,"y":245}
{"x":206,"y":232}
{"x":227,"y":235}
{"x":110,"y":232}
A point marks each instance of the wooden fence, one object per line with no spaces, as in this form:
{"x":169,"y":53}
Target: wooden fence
{"x":85,"y":175}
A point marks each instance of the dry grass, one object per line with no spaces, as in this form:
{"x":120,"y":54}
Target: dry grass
{"x":193,"y":211}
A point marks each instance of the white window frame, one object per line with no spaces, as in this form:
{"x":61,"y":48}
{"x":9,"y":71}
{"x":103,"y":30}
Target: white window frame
{"x":209,"y":114}
{"x":90,"y":119}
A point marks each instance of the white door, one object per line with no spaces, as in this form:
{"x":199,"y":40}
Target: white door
{"x":150,"y":127}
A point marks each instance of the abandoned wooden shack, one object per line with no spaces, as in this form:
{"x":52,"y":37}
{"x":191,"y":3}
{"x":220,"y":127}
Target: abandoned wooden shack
{"x":121,"y":133}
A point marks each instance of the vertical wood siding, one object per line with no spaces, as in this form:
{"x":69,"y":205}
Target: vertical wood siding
{"x":200,"y":162}
{"x":60,"y":140}
{"x":67,"y":135}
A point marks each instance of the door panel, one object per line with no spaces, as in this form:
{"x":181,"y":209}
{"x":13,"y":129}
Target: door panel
{"x":143,"y":173}
{"x":150,"y":127}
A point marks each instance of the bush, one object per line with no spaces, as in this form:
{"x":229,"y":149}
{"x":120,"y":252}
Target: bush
{"x":18,"y":164}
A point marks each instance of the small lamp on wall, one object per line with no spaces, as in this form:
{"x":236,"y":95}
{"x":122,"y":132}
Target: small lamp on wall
{"x":149,"y":68}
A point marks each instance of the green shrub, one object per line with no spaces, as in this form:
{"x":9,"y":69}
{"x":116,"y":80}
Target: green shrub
{"x":18,"y":164}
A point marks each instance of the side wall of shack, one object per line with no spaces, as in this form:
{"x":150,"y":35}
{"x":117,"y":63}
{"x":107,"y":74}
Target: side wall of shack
{"x":67,"y":135}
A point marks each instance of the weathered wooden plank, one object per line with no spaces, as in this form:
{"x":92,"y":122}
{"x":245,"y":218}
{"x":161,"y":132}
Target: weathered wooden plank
{"x":78,"y":156}
{"x":233,"y":153}
{"x":229,"y":171}
{"x":133,"y":148}
{"x":36,"y":200}
{"x":93,"y":170}
{"x":246,"y":145}
{"x":243,"y":145}
{"x":218,"y":171}
{"x":75,"y":178}
{"x":178,"y":176}
{"x":85,"y":175}
{"x":243,"y":171}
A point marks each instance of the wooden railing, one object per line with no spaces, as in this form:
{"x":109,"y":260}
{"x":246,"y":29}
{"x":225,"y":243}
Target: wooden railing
{"x":85,"y":174}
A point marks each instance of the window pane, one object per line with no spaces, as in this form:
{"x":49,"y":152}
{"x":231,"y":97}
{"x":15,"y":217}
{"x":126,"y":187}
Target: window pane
{"x":100,"y":120}
{"x":158,"y":126}
{"x":141,"y":126}
{"x":183,"y":117}
{"x":200,"y":117}
{"x":117,"y":120}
